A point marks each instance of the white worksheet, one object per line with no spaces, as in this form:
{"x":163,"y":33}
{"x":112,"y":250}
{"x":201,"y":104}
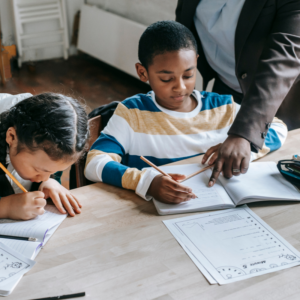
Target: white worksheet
{"x":233,"y":244}
{"x":12,"y":266}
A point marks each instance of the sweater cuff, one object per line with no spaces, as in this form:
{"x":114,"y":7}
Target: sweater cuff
{"x":144,"y":184}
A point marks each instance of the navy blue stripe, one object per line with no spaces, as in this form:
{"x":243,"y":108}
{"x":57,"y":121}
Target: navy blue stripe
{"x":112,"y":173}
{"x":213,"y":100}
{"x":134,"y":161}
{"x":141,"y":102}
{"x":272,"y":140}
{"x":108,"y":144}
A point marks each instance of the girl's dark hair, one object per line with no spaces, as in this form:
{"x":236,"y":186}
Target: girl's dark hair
{"x":51,"y":122}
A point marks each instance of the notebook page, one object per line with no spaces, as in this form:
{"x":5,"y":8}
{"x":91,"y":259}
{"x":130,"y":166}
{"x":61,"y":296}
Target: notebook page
{"x":263,"y":181}
{"x":208,"y":198}
{"x":24,"y":247}
{"x":36,"y":227}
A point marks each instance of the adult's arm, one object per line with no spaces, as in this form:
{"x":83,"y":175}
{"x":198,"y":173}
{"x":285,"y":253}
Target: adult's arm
{"x":277,"y":70}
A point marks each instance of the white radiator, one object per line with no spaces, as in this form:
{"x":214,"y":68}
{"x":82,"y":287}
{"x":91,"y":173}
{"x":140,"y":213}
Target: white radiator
{"x":112,"y":39}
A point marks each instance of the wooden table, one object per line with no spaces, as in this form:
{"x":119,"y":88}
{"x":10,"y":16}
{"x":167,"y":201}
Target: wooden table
{"x":118,"y":248}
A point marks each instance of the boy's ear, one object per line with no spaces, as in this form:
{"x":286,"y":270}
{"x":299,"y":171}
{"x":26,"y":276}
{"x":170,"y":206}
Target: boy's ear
{"x":142,"y":72}
{"x":11,"y":137}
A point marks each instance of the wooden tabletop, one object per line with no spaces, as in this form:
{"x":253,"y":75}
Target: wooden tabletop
{"x":118,"y":248}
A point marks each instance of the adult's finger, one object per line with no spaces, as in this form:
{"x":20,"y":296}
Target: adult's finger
{"x":213,"y":158}
{"x":209,"y":152}
{"x":216,"y":172}
{"x":236,"y":166}
{"x":245,"y":165}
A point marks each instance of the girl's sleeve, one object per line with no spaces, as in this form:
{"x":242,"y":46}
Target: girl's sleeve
{"x":104,"y":160}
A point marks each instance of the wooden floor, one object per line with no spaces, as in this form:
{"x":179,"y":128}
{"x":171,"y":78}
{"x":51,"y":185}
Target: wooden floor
{"x":83,"y":77}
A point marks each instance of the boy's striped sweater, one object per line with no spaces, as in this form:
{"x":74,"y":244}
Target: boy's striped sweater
{"x":140,"y":126}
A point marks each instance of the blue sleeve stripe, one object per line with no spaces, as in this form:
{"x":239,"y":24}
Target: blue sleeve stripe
{"x":141,"y":102}
{"x":112,"y":173}
{"x":213,"y":100}
{"x":134,"y":161}
{"x":272,"y":140}
{"x":108,"y":144}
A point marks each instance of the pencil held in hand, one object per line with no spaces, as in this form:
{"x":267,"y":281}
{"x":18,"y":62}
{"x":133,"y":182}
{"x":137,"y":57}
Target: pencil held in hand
{"x":173,"y":177}
{"x":13,"y":178}
{"x":154,"y":166}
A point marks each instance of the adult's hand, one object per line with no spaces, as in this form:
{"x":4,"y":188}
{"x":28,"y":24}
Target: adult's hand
{"x":233,"y":158}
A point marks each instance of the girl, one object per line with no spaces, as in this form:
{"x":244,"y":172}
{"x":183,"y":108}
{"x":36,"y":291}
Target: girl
{"x":39,"y":136}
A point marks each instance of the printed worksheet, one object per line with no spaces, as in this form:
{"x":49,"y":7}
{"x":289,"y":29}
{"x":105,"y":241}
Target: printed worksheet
{"x":12,"y":266}
{"x":233,"y":245}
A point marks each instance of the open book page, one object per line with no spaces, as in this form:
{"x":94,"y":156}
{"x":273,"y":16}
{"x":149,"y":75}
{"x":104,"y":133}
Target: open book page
{"x":36,"y":227}
{"x":208,"y":198}
{"x":262,"y":182}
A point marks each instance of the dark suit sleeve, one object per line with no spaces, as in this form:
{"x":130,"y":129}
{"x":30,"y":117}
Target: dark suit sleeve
{"x":178,"y":10}
{"x":277,"y":70}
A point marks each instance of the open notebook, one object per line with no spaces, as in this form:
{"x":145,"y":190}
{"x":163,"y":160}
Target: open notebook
{"x":263,"y":182}
{"x":41,"y":227}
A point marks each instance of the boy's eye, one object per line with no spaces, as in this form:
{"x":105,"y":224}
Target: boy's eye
{"x":187,"y":77}
{"x":166,"y":80}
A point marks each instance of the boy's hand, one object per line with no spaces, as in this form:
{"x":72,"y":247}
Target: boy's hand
{"x":167,"y":190}
{"x":61,"y":197}
{"x":23,"y":206}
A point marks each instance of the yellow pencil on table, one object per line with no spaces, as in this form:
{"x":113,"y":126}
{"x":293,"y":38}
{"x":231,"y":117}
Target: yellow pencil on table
{"x":13,"y":178}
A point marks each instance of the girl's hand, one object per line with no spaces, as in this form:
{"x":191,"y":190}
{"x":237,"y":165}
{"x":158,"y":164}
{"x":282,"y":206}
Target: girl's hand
{"x":23,"y":206}
{"x":61,"y":197}
{"x":213,"y":152}
{"x":167,"y":190}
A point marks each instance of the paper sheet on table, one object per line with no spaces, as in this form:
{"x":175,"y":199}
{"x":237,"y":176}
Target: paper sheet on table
{"x":13,"y":265}
{"x":233,"y":245}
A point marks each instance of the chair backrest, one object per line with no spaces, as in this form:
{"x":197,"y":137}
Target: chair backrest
{"x":95,"y":129}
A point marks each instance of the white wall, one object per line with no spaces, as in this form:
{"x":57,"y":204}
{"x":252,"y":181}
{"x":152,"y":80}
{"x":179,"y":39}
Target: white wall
{"x":142,"y":11}
{"x":7,"y":25}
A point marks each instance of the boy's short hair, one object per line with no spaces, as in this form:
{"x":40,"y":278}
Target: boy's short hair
{"x":164,"y":36}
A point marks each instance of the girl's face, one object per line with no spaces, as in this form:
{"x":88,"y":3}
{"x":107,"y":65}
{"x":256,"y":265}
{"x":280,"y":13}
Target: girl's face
{"x":35,"y":166}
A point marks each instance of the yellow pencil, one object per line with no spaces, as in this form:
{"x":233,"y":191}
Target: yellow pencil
{"x":198,"y":172}
{"x":13,"y":178}
{"x":154,"y":166}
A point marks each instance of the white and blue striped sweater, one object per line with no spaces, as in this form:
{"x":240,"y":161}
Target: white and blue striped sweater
{"x":140,"y":126}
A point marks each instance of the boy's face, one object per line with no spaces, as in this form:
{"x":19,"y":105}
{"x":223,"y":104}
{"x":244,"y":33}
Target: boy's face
{"x":172,"y":76}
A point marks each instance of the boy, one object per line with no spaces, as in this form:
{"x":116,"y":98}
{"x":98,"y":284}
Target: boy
{"x":170,"y":123}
